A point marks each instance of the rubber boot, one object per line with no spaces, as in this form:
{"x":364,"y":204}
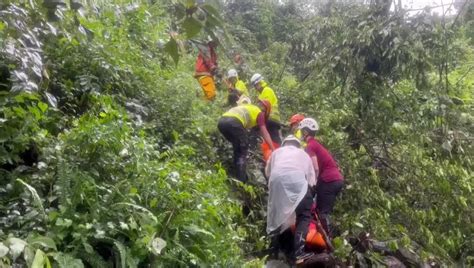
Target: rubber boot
{"x":274,"y":246}
{"x":241,"y":172}
{"x":300,"y":254}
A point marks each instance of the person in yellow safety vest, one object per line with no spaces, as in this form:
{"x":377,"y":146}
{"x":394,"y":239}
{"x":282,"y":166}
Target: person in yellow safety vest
{"x":266,"y":93}
{"x":234,"y":125}
{"x":236,"y":87}
{"x":236,"y":83}
{"x":294,"y":122}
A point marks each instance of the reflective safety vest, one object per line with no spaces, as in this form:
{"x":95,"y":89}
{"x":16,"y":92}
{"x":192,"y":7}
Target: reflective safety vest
{"x":269,"y":95}
{"x":247,"y":114}
{"x":299,"y":135}
{"x":240,"y":86}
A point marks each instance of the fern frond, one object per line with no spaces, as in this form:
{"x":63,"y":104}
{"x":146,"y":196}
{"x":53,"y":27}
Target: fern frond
{"x":36,"y":198}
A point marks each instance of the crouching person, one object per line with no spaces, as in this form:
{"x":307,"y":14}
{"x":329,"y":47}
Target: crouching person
{"x":291,"y":174}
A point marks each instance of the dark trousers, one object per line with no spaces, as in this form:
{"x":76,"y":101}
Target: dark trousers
{"x":234,"y":131}
{"x":303,"y":218}
{"x":326,"y":197}
{"x":273,"y":128}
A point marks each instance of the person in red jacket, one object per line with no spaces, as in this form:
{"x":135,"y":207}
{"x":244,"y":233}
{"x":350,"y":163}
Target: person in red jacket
{"x":329,"y":177}
{"x":206,"y":68}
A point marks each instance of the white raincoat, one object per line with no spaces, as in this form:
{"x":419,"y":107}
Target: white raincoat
{"x":291,"y":171}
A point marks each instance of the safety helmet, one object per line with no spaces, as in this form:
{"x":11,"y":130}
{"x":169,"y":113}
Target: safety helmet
{"x":232,"y":73}
{"x":291,"y":138}
{"x":244,"y":100}
{"x":255,"y":79}
{"x":309,"y":123}
{"x":296,"y":119}
{"x":268,"y":107}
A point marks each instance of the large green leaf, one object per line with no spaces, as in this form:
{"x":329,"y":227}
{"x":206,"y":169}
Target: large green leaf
{"x":172,"y":49}
{"x":3,"y":250}
{"x":191,"y":26}
{"x":67,"y":261}
{"x":212,"y":11}
{"x":40,"y":260}
{"x":16,"y":246}
{"x":43,"y":241}
{"x":36,"y":198}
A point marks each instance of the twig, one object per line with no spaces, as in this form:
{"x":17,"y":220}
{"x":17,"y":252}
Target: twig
{"x":459,"y":13}
{"x":167,"y":221}
{"x":464,"y":75}
{"x":323,"y":232}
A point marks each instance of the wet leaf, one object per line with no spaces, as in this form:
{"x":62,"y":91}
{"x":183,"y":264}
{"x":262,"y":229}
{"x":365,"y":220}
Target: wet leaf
{"x":192,"y":27}
{"x":3,"y":250}
{"x":51,"y":100}
{"x":67,"y":261}
{"x":172,"y":49}
{"x":43,"y":241}
{"x":157,"y":245}
{"x":16,"y":246}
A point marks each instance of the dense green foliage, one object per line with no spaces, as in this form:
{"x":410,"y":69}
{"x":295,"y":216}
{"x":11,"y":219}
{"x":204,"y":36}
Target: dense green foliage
{"x":108,"y":158}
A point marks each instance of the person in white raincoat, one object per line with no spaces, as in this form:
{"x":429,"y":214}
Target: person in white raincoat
{"x":291,"y":174}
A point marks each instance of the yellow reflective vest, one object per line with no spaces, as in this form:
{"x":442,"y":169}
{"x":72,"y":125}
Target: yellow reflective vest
{"x":299,"y":136}
{"x":242,"y":88}
{"x":269,"y":95}
{"x":247,"y":114}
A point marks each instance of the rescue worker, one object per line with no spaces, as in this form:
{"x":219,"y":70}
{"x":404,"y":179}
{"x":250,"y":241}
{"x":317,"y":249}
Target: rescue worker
{"x":291,"y":174}
{"x":206,"y":68}
{"x":235,"y":86}
{"x":266,"y":93}
{"x":329,"y":177}
{"x":273,"y":123}
{"x":294,"y":123}
{"x":234,"y":125}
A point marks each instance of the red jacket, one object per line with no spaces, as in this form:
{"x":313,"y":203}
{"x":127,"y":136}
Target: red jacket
{"x":206,"y":61}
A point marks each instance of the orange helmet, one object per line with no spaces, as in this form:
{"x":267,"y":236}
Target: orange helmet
{"x":296,"y":119}
{"x":268,"y":107}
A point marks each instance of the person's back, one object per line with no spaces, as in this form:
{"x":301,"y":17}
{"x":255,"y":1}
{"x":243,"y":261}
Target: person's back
{"x":269,"y":94}
{"x":206,"y":61}
{"x":328,"y":168}
{"x":289,"y":159}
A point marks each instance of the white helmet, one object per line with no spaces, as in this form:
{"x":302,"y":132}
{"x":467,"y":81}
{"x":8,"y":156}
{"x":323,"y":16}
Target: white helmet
{"x":291,"y":138}
{"x":309,"y":123}
{"x":232,"y":73}
{"x":255,"y":79}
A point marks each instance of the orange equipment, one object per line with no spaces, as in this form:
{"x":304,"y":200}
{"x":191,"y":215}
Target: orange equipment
{"x":266,"y":150}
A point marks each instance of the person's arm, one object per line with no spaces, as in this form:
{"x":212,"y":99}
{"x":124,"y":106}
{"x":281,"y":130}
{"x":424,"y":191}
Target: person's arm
{"x":261,"y":121}
{"x":212,"y":61}
{"x":266,"y":137}
{"x":311,"y":175}
{"x":229,"y":85}
{"x":268,"y":168}
{"x":314,"y":160}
